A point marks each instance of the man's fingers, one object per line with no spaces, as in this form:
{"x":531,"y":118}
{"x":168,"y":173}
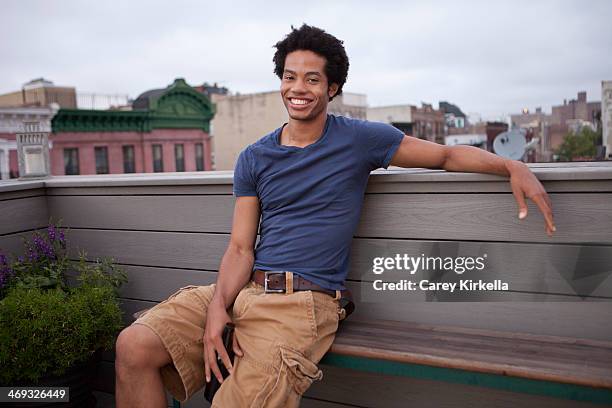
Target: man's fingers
{"x":547,"y":197}
{"x":212,"y":362}
{"x":206,"y":364}
{"x":223,"y":355}
{"x":520,"y":199}
{"x":236,"y":346}
{"x":542,"y":203}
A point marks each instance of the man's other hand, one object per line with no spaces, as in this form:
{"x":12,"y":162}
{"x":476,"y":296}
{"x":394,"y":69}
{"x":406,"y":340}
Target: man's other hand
{"x":216,"y":319}
{"x":524,"y":183}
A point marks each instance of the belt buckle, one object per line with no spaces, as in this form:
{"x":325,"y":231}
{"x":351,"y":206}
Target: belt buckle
{"x":266,"y":288}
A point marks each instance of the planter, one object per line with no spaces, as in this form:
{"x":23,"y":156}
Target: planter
{"x":78,"y":378}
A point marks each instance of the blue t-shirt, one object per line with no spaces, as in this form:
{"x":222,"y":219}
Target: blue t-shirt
{"x":311,"y":197}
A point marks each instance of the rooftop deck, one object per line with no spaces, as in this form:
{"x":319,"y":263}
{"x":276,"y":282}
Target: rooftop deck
{"x":170,"y":230}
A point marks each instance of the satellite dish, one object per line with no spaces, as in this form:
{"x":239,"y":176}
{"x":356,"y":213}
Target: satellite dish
{"x":511,"y":144}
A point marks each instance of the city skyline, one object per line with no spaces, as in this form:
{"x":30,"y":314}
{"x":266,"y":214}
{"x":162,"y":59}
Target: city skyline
{"x":492,"y":60}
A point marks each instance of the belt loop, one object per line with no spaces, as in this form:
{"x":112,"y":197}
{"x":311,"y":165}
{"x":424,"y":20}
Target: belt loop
{"x":338,"y":295}
{"x":288,"y":282}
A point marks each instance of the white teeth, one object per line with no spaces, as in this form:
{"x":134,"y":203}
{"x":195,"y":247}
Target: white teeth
{"x":299,"y":101}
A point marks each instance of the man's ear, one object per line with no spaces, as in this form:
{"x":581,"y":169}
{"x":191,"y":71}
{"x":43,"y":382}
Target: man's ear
{"x":332,"y":89}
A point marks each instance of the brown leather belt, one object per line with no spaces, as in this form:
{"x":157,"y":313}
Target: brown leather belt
{"x":277,"y":282}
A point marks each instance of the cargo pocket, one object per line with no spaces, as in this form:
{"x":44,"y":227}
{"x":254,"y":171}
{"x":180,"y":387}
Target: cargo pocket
{"x":301,"y":372}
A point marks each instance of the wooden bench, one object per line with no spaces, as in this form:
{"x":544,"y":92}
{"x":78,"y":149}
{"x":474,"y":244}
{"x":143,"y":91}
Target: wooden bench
{"x":560,"y":367}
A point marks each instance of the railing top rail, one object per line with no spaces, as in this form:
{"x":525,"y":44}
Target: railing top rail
{"x":544,"y":171}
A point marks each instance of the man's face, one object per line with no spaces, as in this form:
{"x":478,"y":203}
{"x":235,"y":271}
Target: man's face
{"x":304,"y":87}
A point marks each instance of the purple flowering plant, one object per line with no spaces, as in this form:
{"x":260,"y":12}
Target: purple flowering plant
{"x":46,"y":265}
{"x":43,"y":265}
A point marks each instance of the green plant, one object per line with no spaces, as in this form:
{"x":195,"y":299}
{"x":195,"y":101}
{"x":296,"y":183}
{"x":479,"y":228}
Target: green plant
{"x":579,"y":145}
{"x":47,"y":325}
{"x":44,"y":267}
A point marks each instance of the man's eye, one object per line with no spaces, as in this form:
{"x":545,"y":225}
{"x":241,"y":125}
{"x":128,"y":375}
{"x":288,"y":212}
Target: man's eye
{"x":313,"y":80}
{"x":288,"y":77}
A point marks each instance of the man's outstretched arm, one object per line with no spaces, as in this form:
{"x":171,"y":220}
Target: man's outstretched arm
{"x":234,"y":272}
{"x":414,"y":152}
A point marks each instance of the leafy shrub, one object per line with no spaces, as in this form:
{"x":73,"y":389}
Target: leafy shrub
{"x":46,"y":326}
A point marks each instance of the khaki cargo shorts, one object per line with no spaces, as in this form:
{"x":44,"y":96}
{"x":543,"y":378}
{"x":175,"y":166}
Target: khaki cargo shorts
{"x":283,"y":337}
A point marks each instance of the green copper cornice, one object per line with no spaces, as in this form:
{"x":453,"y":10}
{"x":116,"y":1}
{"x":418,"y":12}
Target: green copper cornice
{"x":178,"y":107}
{"x":81,"y":120}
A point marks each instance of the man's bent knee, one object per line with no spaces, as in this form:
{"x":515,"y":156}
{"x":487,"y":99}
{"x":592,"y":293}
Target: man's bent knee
{"x":139,"y":346}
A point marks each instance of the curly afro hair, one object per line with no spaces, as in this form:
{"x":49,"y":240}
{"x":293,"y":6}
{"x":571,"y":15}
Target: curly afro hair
{"x":318,"y":41}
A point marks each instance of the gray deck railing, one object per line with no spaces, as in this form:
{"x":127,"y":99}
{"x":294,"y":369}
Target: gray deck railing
{"x":170,"y":230}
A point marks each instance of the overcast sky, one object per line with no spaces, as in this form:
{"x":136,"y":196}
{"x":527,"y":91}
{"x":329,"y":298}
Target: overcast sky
{"x":491,"y":58}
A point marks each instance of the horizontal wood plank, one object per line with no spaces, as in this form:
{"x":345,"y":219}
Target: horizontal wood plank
{"x":145,"y":248}
{"x":156,"y":284}
{"x":485,"y":217}
{"x":566,"y":360}
{"x":129,"y":190}
{"x":21,"y":185}
{"x":478,"y":187}
{"x":589,"y":320}
{"x":19,"y":194}
{"x":166,"y":213}
{"x":23,"y":214}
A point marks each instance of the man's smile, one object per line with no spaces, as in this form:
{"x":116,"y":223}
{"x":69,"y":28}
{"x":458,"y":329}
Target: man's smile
{"x":299,"y":102}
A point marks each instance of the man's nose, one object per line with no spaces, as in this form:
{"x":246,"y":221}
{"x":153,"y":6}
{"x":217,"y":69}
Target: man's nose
{"x":299,"y":85}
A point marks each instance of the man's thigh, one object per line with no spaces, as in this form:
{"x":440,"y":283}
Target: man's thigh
{"x":283,"y":337}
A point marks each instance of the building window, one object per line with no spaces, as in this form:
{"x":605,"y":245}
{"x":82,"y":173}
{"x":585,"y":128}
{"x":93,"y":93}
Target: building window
{"x":129,"y":163}
{"x":158,"y":162}
{"x":179,"y":157}
{"x":101,"y":153}
{"x":71,"y":161}
{"x":199,"y":155}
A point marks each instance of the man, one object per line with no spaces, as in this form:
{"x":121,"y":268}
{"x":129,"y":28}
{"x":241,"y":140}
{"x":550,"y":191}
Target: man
{"x":307,"y":181}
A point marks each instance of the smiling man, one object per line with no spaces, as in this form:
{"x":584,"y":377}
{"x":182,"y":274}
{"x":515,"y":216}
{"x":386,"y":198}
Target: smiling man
{"x":307,"y":181}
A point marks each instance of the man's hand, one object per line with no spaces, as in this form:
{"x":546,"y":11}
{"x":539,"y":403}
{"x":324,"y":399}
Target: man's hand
{"x":414,"y":152}
{"x":524,"y":183}
{"x":216,"y":318}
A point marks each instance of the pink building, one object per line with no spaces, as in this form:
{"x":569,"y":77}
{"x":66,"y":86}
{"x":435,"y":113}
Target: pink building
{"x":166,"y":131}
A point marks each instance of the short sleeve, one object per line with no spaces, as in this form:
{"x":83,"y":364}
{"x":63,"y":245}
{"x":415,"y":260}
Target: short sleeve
{"x":379,"y":142}
{"x":244,"y":181}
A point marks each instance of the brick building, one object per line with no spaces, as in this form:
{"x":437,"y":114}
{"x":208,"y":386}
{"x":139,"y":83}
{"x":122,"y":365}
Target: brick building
{"x":424,"y":122}
{"x":571,"y":116}
{"x":577,"y":109}
{"x":552,"y":128}
{"x":166,"y":131}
